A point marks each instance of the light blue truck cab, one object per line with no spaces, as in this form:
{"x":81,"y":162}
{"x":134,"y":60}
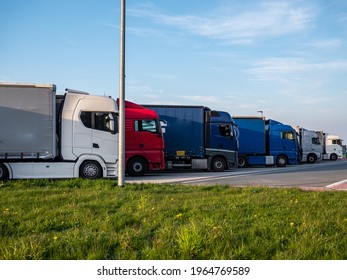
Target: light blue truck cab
{"x":196,"y":137}
{"x":266,"y":142}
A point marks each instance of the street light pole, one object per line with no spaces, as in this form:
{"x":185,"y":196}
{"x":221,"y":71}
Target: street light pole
{"x":121,"y":147}
{"x":262,"y":113}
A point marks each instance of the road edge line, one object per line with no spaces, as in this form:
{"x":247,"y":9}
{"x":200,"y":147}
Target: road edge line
{"x":337,"y":184}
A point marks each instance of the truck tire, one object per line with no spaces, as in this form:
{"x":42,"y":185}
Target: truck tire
{"x":137,"y":167}
{"x":333,"y":157}
{"x":218,"y":164}
{"x":311,"y":158}
{"x":242,"y":161}
{"x":3,"y":172}
{"x":281,"y":161}
{"x":90,"y":170}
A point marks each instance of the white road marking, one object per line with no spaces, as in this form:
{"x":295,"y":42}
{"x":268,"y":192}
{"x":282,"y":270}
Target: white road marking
{"x":337,"y":184}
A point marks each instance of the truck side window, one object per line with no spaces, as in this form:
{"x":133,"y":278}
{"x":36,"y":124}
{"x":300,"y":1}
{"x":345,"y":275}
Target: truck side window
{"x":316,"y":141}
{"x":287,"y":135}
{"x":146,"y":125}
{"x":225,"y":130}
{"x":104,"y":121}
{"x":86,"y":118}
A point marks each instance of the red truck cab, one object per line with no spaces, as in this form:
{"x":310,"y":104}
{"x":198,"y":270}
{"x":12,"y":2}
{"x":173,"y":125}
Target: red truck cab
{"x":144,"y":142}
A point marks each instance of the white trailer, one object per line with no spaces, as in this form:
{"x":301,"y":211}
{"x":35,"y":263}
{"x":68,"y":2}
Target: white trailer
{"x":311,"y":147}
{"x":44,"y":135}
{"x":332,"y":146}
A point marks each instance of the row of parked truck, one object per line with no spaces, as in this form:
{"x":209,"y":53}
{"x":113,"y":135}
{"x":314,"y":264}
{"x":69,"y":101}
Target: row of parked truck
{"x":45,"y":135}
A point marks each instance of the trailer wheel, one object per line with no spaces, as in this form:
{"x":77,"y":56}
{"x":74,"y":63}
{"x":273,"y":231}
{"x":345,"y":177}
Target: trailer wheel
{"x":281,"y":161}
{"x":311,"y":158}
{"x":218,"y":164}
{"x":333,"y":157}
{"x":3,"y":172}
{"x":242,"y":161}
{"x":137,"y":167}
{"x":90,"y":170}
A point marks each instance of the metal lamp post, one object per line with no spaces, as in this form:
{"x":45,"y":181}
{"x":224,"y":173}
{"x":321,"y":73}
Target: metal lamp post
{"x":121,"y":147}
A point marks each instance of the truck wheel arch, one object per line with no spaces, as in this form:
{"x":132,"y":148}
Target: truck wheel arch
{"x":333,"y":156}
{"x":242,"y":161}
{"x":281,"y":160}
{"x":90,"y":169}
{"x":137,"y":166}
{"x":90,"y":158}
{"x":218,"y":163}
{"x":3,"y":172}
{"x":311,"y":158}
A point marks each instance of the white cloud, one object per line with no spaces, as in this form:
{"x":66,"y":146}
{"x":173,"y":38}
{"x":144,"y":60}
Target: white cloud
{"x":273,"y":18}
{"x":11,"y":76}
{"x":203,"y":99}
{"x":312,"y":100}
{"x":326,"y":44}
{"x":163,"y":77}
{"x":285,"y":69}
{"x":145,"y":32}
{"x":111,"y":25}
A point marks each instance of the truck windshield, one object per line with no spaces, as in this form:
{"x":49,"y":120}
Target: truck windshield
{"x":337,"y":142}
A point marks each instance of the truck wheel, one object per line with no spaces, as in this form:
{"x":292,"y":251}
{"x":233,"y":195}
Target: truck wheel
{"x":218,"y":164}
{"x":333,"y":157}
{"x":281,"y":161}
{"x":3,"y":172}
{"x":311,"y":158}
{"x":242,"y":162}
{"x":137,"y":167}
{"x":90,"y":170}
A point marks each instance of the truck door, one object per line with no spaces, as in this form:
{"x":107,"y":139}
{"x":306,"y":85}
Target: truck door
{"x":104,"y":135}
{"x":150,"y":138}
{"x":97,"y":135}
{"x":220,"y":136}
{"x":289,"y":141}
{"x":288,"y":145}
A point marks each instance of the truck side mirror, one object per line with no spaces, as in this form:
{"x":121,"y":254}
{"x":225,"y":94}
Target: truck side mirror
{"x":163,"y":125}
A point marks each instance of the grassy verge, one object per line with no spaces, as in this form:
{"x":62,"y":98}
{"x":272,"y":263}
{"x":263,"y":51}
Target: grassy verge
{"x":82,"y":219}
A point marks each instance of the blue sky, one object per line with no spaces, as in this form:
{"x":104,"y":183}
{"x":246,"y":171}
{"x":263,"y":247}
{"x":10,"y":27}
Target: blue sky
{"x":285,"y":58}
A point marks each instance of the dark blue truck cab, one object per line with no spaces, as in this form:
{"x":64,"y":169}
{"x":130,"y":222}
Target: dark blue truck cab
{"x":196,"y":137}
{"x":266,"y":142}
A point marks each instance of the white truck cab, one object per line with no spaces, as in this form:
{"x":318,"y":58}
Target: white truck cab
{"x":332,"y":146}
{"x":311,"y":147}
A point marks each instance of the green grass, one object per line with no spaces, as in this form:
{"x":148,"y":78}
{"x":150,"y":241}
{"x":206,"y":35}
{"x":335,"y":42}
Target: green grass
{"x":83,"y":219}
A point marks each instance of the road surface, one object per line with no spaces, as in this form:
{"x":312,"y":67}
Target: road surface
{"x":332,"y":175}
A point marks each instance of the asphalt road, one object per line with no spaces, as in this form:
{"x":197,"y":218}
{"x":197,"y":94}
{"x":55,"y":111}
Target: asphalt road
{"x":317,"y":175}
